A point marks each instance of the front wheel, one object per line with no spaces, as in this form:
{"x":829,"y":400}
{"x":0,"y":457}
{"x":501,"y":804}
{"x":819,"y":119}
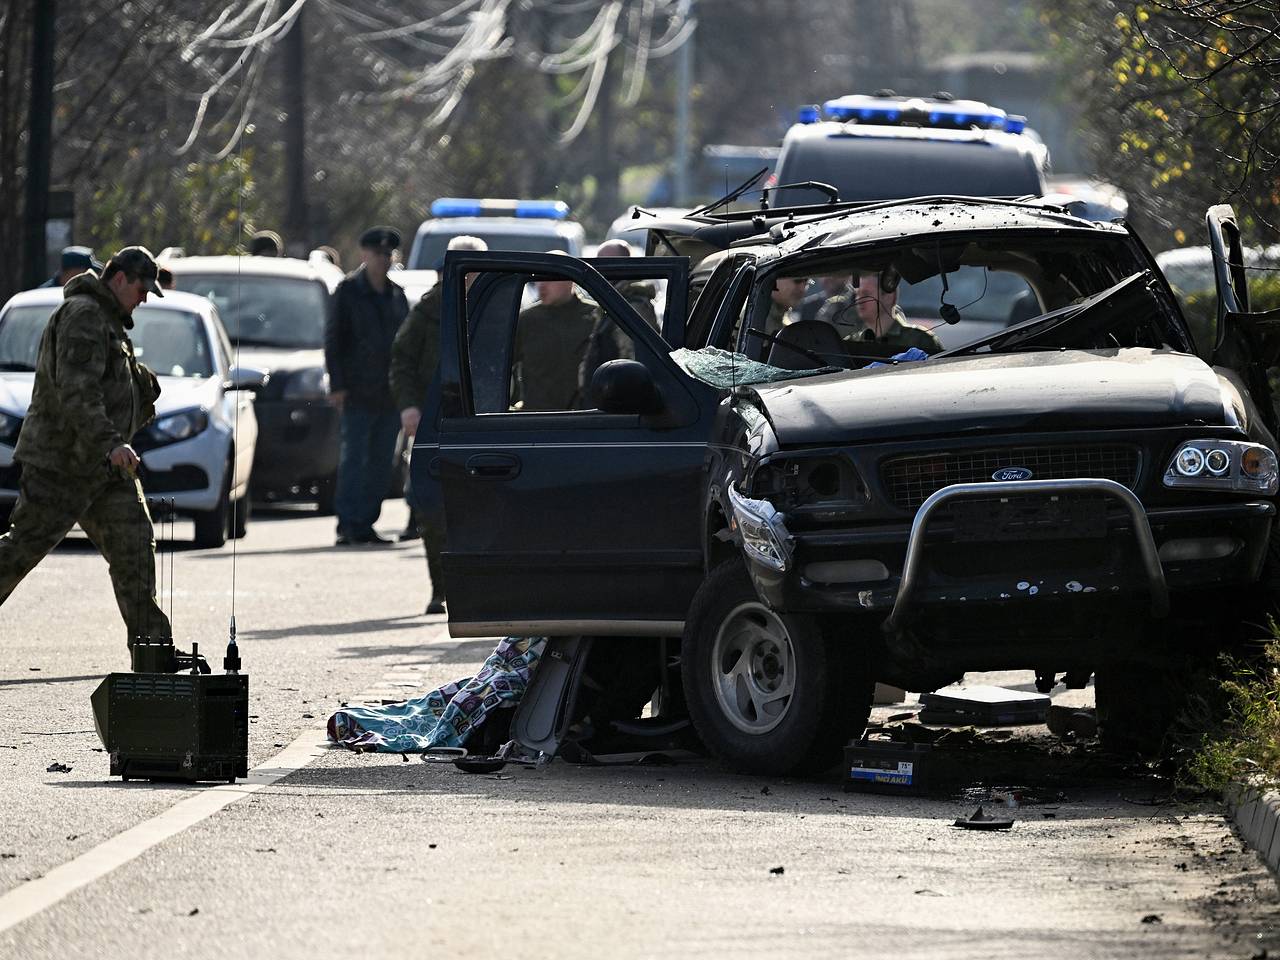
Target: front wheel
{"x":768,"y":692}
{"x":212,"y":525}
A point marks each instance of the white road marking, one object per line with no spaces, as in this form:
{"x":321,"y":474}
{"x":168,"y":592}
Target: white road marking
{"x":37,"y":895}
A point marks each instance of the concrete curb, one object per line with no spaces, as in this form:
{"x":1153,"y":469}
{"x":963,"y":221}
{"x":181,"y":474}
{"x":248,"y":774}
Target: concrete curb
{"x":1257,"y":814}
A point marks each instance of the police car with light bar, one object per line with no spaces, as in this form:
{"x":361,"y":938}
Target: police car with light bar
{"x":530,"y":226}
{"x":891,"y":148}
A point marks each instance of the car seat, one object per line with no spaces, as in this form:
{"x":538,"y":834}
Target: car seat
{"x":817,"y":337}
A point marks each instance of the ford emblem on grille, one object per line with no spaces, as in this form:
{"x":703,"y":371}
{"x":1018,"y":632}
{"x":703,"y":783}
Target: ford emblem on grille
{"x":1012,"y":473}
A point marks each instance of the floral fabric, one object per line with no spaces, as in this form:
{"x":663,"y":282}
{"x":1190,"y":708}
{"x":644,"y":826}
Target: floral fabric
{"x":446,"y":716}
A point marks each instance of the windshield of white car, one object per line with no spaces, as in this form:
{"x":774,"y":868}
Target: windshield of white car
{"x":265,"y":311}
{"x":430,"y":249}
{"x":171,"y":342}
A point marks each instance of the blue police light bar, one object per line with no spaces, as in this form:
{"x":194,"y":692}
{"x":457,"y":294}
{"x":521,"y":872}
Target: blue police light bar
{"x":809,"y":113}
{"x":951,"y":114}
{"x":542,"y":209}
{"x":530,"y":209}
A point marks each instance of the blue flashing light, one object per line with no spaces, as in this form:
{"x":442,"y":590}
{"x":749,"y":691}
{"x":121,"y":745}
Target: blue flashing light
{"x":456,"y":207}
{"x":542,"y":209}
{"x":952,"y":114}
{"x":527,"y":209}
{"x":1014,"y":123}
{"x":809,"y":113}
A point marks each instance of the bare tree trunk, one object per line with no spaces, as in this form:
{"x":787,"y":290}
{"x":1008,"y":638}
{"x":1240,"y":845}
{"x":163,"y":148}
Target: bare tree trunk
{"x":297,"y":227}
{"x":606,"y":163}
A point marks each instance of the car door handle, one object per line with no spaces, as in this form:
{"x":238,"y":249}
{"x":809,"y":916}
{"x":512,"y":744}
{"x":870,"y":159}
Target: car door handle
{"x":493,"y":466}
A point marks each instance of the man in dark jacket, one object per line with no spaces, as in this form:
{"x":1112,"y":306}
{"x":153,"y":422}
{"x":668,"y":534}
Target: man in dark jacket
{"x":89,"y":398}
{"x":414,"y":358}
{"x":367,"y":311}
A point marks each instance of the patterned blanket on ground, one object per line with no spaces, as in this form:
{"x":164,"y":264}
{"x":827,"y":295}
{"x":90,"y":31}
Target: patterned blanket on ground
{"x":446,"y":716}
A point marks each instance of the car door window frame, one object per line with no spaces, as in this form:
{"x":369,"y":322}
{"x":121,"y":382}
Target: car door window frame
{"x":457,"y":400}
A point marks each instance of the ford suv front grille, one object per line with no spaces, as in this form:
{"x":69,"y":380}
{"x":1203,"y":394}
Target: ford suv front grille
{"x":911,"y":480}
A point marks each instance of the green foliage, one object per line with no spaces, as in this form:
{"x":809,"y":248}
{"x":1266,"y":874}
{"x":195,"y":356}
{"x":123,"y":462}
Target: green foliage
{"x":1178,"y":105}
{"x":210,"y":207}
{"x":1200,"y":306}
{"x":1240,"y":732}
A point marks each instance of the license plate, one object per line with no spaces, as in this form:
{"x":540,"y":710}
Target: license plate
{"x":1029,"y":519}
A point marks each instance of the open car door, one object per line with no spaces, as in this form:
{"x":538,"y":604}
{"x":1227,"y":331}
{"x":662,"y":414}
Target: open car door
{"x":570,"y":518}
{"x":1244,"y":342}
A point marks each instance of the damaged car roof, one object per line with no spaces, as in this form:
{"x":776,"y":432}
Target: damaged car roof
{"x":935,"y":215}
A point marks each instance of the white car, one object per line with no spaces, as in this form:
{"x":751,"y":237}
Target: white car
{"x":198,"y":452}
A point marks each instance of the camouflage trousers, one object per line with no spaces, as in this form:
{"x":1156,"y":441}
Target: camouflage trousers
{"x":112,"y":511}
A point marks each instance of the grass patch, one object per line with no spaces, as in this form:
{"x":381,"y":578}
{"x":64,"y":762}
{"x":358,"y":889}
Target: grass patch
{"x":1238,"y":723}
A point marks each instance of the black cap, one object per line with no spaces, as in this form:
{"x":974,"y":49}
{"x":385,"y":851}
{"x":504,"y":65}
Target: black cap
{"x":138,"y":262}
{"x":79,"y":258}
{"x":380,"y":238}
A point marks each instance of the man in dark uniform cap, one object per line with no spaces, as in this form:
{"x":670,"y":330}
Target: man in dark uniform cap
{"x":367,"y":311}
{"x":75,"y":261}
{"x":89,"y":398}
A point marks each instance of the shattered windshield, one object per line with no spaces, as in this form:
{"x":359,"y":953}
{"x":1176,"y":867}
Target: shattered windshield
{"x":866,"y":306}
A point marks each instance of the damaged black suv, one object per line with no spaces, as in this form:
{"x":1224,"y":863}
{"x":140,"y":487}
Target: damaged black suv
{"x":787,"y":510}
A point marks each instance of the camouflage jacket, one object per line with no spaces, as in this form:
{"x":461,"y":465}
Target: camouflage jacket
{"x":415,"y":352}
{"x":90,"y":393}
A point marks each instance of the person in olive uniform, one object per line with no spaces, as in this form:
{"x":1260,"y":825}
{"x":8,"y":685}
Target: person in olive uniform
{"x":551,"y":342}
{"x":414,"y":357}
{"x":89,"y":397}
{"x":367,"y":312}
{"x":879,"y":327}
{"x":608,"y":342}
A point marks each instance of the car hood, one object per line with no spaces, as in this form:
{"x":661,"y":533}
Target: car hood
{"x":278,"y":359}
{"x":183,"y":393}
{"x":1069,"y":389}
{"x":176,"y":393}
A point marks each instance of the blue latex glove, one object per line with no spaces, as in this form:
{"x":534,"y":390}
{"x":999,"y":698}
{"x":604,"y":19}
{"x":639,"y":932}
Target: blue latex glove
{"x":911,"y":353}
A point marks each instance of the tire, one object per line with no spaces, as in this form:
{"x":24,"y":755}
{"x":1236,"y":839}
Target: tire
{"x":238,"y":524}
{"x":1138,"y":705}
{"x":212,"y":525}
{"x":788,"y":709}
{"x":326,"y":490}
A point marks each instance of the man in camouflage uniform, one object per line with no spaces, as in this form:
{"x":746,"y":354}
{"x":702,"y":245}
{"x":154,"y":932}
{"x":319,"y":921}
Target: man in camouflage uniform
{"x":551,"y":342}
{"x":879,"y":327}
{"x":89,"y":398}
{"x":415,"y":354}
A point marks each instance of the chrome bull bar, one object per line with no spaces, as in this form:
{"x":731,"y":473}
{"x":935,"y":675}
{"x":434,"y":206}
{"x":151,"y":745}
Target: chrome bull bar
{"x":911,"y":567}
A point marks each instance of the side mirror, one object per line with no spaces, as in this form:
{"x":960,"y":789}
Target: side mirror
{"x":247,"y":378}
{"x":624,"y":386}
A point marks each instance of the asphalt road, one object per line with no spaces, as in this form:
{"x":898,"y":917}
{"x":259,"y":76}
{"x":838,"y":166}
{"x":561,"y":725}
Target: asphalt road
{"x":375,"y":856}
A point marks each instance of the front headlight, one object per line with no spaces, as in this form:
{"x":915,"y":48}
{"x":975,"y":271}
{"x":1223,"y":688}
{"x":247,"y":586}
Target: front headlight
{"x":10,"y":424}
{"x":808,"y":480}
{"x":179,"y":426}
{"x":310,"y":384}
{"x":764,"y":535}
{"x":1227,"y":465}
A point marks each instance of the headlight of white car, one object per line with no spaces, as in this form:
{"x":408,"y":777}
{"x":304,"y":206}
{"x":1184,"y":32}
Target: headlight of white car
{"x":180,"y":426}
{"x":10,"y":424}
{"x":307,"y":385}
{"x":1228,"y":465}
